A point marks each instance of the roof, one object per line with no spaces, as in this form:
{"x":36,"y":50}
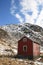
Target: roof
{"x":34,"y":39}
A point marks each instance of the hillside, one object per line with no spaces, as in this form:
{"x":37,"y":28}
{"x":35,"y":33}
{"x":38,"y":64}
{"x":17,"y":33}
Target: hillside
{"x":5,"y":44}
{"x":17,"y":31}
{"x":10,"y":34}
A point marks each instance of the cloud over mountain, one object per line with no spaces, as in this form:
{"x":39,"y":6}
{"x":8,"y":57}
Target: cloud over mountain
{"x":30,"y":11}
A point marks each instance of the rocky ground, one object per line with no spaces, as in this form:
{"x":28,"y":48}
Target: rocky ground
{"x":16,"y":61}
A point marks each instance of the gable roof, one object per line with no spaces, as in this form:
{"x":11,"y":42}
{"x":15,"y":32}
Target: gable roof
{"x":33,"y":39}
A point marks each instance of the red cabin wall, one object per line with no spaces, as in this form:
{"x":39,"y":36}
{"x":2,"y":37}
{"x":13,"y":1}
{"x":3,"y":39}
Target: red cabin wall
{"x":29,"y":47}
{"x":36,"y":49}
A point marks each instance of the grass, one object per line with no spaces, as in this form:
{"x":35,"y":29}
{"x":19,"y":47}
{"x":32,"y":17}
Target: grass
{"x":16,"y":61}
{"x":13,"y":61}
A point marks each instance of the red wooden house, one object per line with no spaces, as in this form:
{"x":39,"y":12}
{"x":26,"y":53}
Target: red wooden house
{"x":28,"y":48}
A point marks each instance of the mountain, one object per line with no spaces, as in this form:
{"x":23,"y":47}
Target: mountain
{"x":10,"y":34}
{"x":17,"y":31}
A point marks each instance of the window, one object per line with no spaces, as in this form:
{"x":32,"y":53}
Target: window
{"x":25,"y":48}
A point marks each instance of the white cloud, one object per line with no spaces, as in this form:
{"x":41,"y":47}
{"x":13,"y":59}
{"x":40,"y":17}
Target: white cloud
{"x":29,"y":5}
{"x":13,"y":7}
{"x":40,"y":19}
{"x":19,"y":17}
{"x":28,"y":19}
{"x":32,"y":5}
{"x":40,"y":2}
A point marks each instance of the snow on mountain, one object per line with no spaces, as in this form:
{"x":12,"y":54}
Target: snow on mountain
{"x":10,"y":34}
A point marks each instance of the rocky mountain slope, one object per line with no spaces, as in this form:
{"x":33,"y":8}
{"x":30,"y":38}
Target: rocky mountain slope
{"x":10,"y":34}
{"x":16,"y":31}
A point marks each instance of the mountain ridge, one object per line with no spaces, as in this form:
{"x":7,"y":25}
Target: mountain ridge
{"x":23,"y":29}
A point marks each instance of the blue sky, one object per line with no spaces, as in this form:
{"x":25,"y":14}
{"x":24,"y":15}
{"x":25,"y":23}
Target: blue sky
{"x":21,"y":11}
{"x":5,"y":15}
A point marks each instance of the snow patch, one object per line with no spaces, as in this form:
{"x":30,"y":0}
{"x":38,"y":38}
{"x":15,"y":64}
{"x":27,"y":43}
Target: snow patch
{"x":38,"y":63}
{"x":15,"y":51}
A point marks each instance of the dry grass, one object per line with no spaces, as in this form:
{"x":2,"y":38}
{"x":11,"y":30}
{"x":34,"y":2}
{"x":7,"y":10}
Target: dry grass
{"x":6,"y":60}
{"x":13,"y":61}
{"x":16,"y":61}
